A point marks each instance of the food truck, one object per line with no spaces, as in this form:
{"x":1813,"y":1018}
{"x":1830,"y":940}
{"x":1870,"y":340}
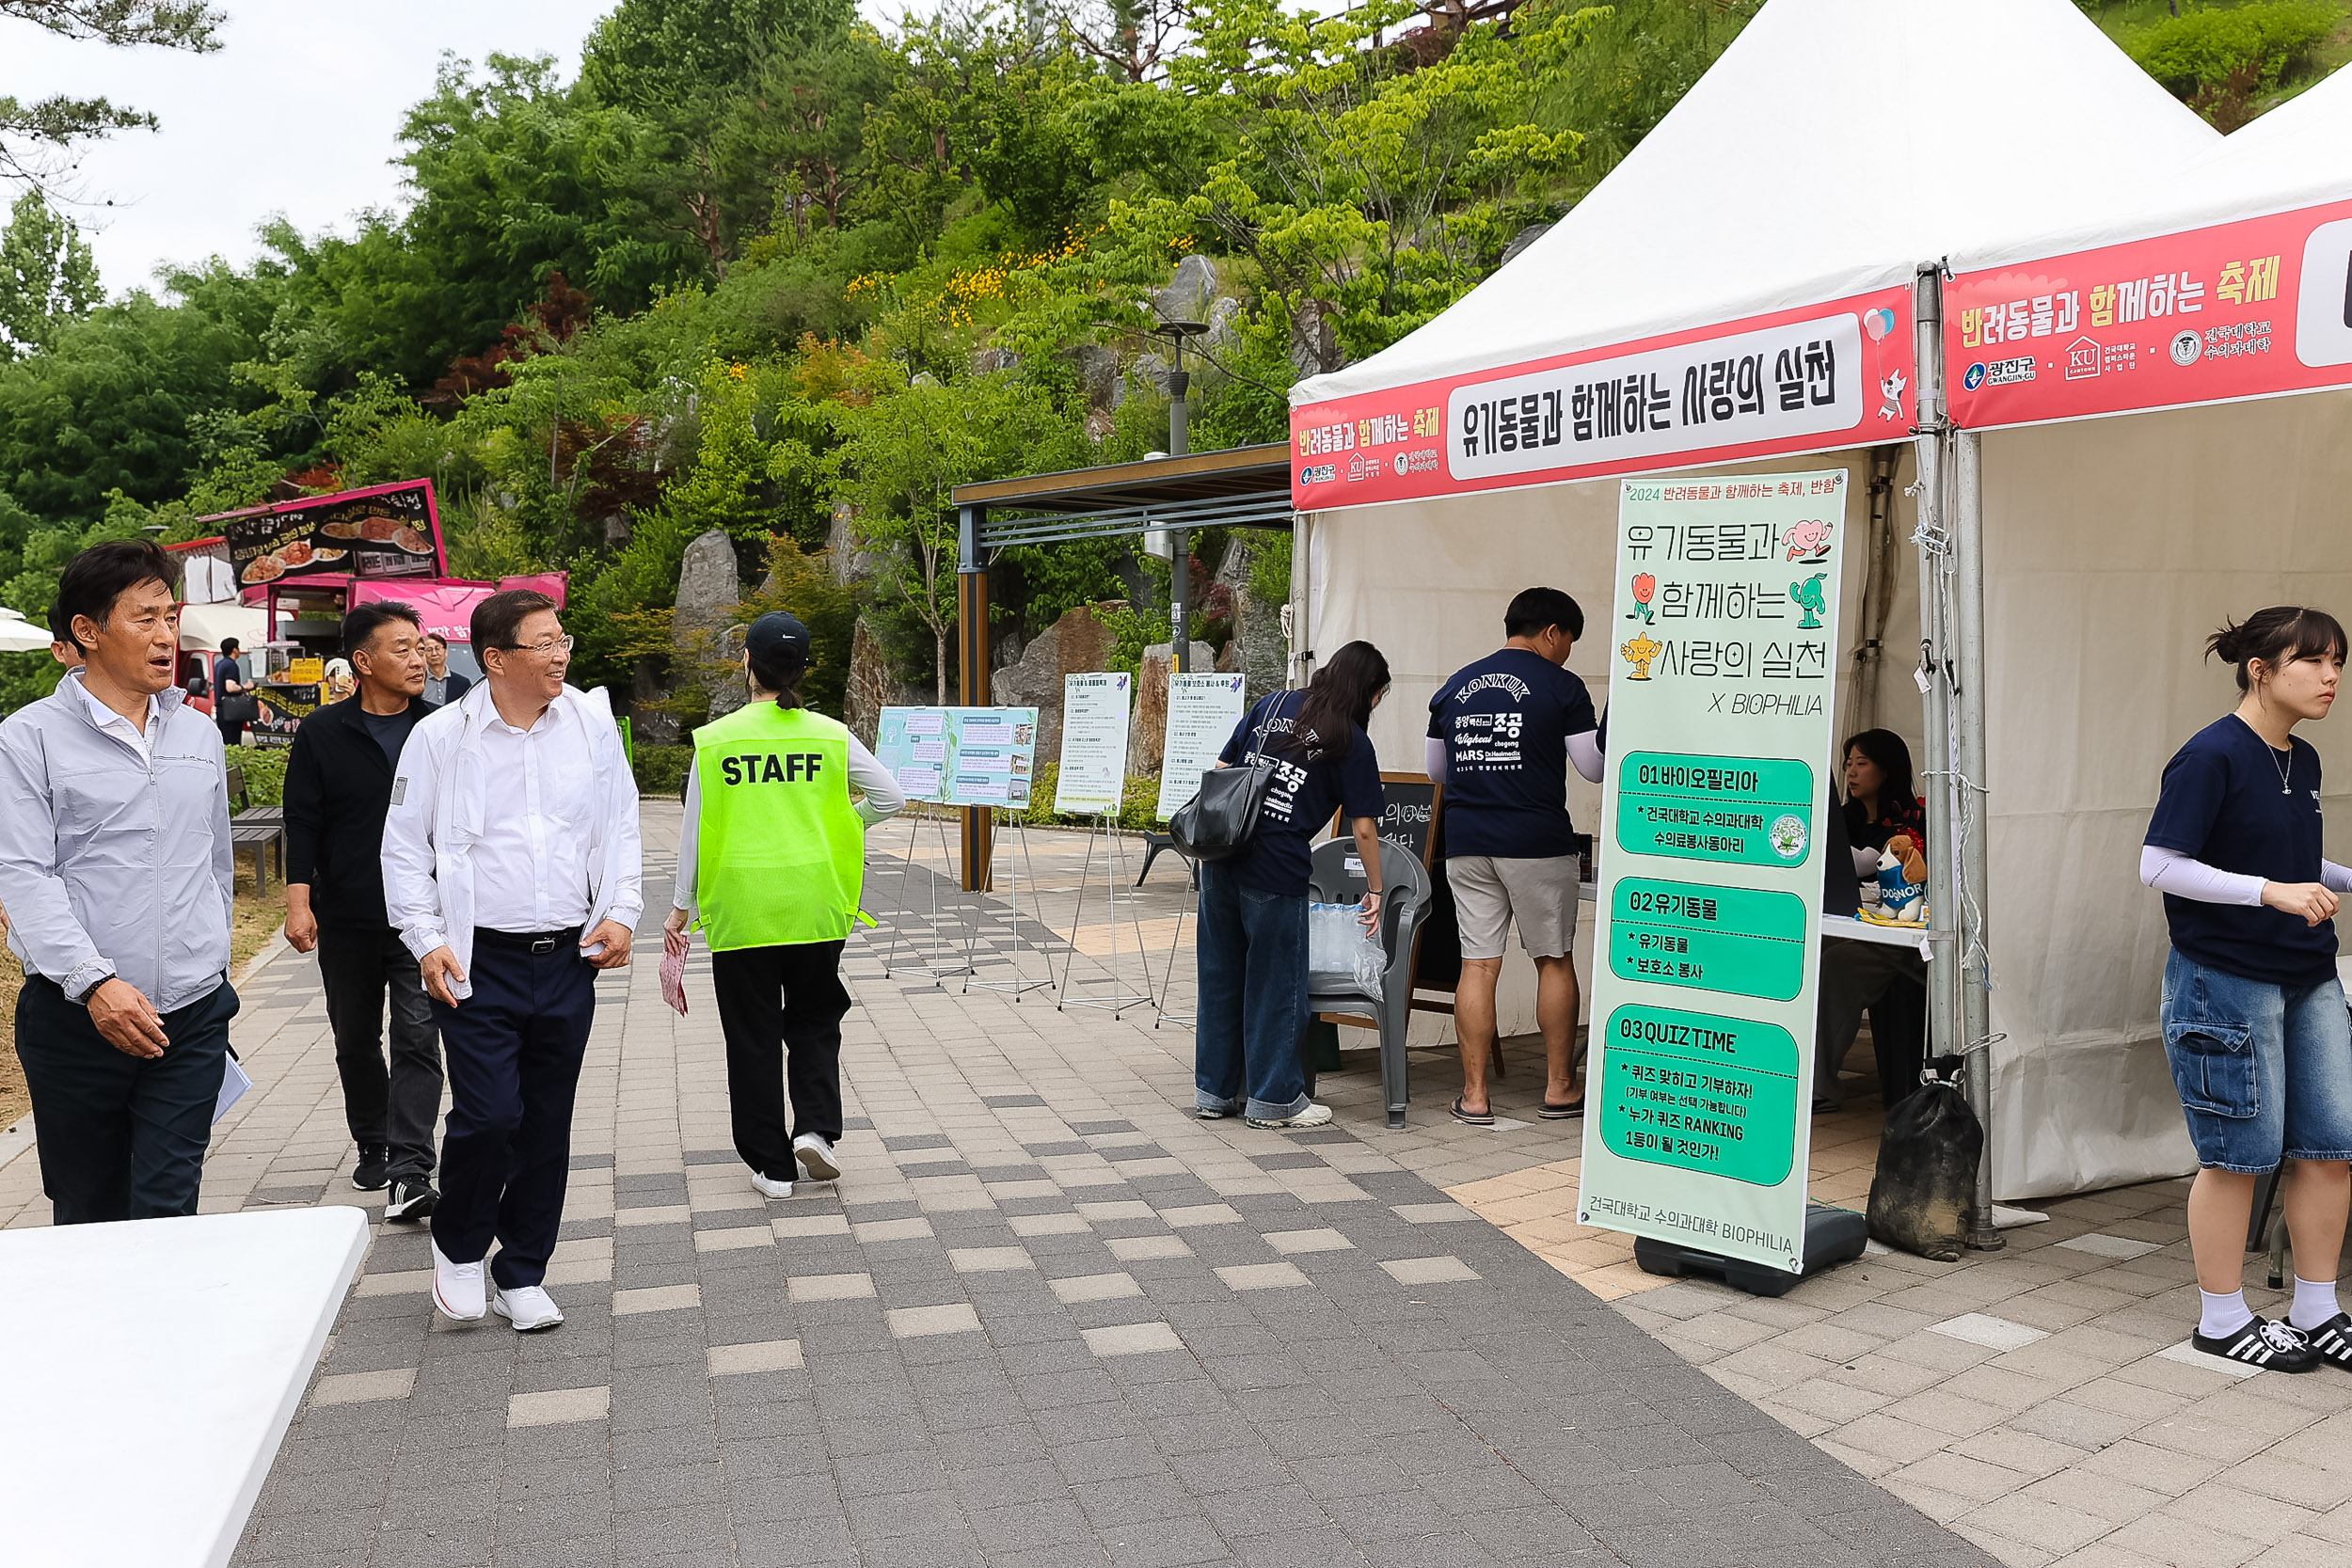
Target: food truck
{"x":306,"y":562}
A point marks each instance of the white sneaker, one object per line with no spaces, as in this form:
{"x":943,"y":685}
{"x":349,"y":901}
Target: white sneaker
{"x":457,"y":1287}
{"x":531,"y":1310}
{"x":769,"y":1187}
{"x":1315,"y":1115}
{"x":816,"y":1157}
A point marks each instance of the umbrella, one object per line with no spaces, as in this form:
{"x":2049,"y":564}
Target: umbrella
{"x":19,"y":636}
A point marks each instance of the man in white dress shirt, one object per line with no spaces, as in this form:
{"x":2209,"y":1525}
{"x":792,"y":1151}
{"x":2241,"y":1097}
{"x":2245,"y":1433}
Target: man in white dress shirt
{"x":512,"y":869}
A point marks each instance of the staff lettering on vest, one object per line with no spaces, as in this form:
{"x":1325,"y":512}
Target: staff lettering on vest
{"x":772,"y":767}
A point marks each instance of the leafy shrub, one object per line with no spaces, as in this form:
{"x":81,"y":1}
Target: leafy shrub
{"x":661,"y":771}
{"x":264,"y":774}
{"x":2245,"y":47}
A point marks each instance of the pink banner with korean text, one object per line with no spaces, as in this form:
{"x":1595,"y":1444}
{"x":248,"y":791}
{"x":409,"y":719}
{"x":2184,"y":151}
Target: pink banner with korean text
{"x":2257,"y":307}
{"x":1813,"y":379}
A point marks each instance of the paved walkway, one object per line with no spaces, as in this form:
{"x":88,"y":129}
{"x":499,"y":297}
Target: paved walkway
{"x":1048,"y":1318}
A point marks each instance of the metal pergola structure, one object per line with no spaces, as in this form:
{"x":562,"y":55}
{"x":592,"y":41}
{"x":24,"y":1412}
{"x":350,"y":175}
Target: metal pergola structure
{"x":1243,"y":487}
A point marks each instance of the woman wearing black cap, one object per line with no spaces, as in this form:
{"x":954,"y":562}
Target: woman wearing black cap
{"x":770,"y":866}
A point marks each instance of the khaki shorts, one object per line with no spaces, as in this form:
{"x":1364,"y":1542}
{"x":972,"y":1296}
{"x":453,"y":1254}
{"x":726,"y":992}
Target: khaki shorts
{"x":1490,"y":891}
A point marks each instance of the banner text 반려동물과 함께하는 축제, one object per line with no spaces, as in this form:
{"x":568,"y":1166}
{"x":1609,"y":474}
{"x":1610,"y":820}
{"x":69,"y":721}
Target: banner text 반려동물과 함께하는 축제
{"x":1707,"y":942}
{"x":2254,"y":308}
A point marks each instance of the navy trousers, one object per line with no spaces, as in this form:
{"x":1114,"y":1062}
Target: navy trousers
{"x":513,"y":1050}
{"x":122,"y":1137}
{"x":1252,"y":1006}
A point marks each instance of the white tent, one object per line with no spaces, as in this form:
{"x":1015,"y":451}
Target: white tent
{"x":2112,"y":547}
{"x":1693,"y":241}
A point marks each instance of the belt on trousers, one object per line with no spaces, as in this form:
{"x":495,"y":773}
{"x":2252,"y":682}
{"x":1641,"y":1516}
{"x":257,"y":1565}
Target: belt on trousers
{"x":526,"y":941}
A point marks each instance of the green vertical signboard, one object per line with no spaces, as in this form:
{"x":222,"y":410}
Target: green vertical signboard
{"x":1724,"y":670}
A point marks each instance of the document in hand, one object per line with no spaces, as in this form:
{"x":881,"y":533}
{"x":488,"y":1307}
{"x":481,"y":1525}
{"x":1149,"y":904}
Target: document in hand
{"x":674,"y":980}
{"x":233,"y":1083}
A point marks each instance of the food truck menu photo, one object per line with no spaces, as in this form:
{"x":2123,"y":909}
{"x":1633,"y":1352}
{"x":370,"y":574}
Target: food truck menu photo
{"x":388,"y":531}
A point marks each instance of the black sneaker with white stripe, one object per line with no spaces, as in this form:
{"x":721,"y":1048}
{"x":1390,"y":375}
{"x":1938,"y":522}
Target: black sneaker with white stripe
{"x":2332,"y":1339}
{"x":2267,"y":1346}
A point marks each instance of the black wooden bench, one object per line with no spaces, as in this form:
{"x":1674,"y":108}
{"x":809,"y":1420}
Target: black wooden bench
{"x":259,"y":829}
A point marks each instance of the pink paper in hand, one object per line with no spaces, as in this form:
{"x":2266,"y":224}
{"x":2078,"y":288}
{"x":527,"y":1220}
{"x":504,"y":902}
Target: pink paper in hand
{"x":674,"y":980}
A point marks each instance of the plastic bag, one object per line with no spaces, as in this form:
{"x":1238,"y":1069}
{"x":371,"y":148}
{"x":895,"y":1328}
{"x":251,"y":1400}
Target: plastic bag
{"x":1341,"y":954}
{"x":1927,"y":1171}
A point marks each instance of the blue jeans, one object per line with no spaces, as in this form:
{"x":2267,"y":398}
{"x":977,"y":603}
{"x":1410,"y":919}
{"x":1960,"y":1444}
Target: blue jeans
{"x":2264,"y":1070}
{"x":1253,"y":998}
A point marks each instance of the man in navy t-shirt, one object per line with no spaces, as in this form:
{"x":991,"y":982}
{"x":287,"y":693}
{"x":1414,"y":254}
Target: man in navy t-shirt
{"x":1502,"y":733}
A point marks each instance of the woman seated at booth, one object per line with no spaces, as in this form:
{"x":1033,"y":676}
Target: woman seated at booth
{"x":1881,"y":808}
{"x":1880,"y":803}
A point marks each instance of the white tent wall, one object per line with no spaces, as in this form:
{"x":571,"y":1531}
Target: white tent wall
{"x":1427,"y":582}
{"x":2112,"y":548}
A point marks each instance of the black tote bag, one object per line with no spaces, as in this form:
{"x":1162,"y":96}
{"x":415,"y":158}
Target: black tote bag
{"x":1221,"y":818}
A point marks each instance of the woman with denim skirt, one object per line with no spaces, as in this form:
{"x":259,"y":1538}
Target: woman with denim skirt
{"x":1252,"y":945}
{"x":2254,"y":1020}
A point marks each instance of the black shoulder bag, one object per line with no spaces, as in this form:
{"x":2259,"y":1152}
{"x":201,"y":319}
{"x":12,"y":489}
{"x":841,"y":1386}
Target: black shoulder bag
{"x":1221,"y":818}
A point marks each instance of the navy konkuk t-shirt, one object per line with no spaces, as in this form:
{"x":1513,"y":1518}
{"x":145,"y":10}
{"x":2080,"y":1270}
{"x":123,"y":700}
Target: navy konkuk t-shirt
{"x":1304,"y":793}
{"x":1506,"y":721}
{"x":2224,"y":802}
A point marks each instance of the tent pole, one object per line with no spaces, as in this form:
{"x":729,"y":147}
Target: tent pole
{"x":1939,"y":760}
{"x":1975,"y":968}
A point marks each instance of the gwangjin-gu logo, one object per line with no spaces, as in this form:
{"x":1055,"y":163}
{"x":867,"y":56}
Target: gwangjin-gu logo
{"x":1322,"y":473}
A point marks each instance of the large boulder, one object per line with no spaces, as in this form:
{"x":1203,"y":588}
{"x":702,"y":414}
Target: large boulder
{"x":1191,"y":294}
{"x":870,"y":688}
{"x":1147,"y":734}
{"x":708,"y":589}
{"x":1077,"y":644}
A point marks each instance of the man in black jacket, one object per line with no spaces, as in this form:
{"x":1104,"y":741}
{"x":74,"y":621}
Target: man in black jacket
{"x":339,"y":785}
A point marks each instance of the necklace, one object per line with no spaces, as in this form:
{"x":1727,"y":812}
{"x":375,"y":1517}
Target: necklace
{"x":2287,"y":770}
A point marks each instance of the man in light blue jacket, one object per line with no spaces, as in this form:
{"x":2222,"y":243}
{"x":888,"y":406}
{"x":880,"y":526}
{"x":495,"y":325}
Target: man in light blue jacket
{"x":117,"y":876}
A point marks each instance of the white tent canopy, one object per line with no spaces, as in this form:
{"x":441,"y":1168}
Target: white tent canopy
{"x":2038,"y":118}
{"x":1794,"y":172}
{"x":2299,"y":155}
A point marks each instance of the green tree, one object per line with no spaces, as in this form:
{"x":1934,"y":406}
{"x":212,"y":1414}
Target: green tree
{"x":35,"y":136}
{"x":47,"y":275}
{"x":904,"y":454}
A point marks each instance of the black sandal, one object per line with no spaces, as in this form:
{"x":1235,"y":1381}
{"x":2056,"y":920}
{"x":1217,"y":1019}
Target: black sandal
{"x":1561,"y":1113}
{"x":1470,"y":1119}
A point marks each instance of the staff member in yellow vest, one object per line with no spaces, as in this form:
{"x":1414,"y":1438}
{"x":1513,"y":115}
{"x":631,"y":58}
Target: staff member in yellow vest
{"x":770,"y":866}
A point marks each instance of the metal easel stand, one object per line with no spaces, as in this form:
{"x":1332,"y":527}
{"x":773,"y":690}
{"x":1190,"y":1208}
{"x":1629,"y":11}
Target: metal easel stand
{"x":1114,"y":868}
{"x":1020,"y":983}
{"x":897,"y":926}
{"x":1176,"y":946}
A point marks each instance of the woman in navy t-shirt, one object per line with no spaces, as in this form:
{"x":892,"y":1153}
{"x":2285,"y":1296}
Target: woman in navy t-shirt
{"x":1252,"y":946}
{"x":2255,"y":1021}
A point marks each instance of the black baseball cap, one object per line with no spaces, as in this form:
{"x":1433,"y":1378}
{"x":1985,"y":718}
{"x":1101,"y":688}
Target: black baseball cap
{"x":778,"y":638}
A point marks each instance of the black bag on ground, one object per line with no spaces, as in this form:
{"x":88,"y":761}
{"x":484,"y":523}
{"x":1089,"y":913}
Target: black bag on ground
{"x":1927,"y":1175}
{"x":1222,"y":817}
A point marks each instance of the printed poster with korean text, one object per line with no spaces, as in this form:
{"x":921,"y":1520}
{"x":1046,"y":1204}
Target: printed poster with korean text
{"x":2246,"y":309}
{"x":960,"y":756}
{"x":1092,"y":779}
{"x":1708,"y":942}
{"x":1202,"y":710}
{"x":1814,"y":379}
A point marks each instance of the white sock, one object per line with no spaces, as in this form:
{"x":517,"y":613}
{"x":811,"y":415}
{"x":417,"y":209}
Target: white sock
{"x":2226,"y":1314}
{"x":2315,"y":1302}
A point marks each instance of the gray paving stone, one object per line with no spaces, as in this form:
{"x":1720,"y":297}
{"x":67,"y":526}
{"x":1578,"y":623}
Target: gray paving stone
{"x":1187,"y":1376}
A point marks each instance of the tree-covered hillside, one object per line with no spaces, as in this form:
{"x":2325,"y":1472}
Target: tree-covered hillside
{"x":759,"y":265}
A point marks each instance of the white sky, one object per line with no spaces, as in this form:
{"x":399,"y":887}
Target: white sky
{"x":296,"y":115}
